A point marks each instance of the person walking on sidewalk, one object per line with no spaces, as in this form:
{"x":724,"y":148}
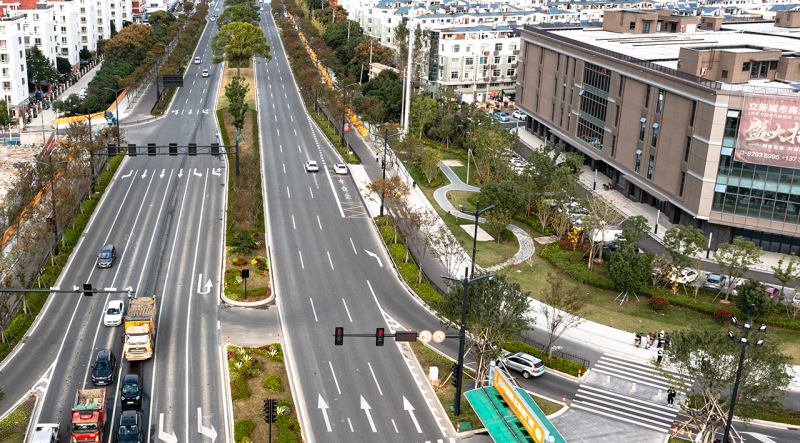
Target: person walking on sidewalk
{"x":660,"y":338}
{"x":670,"y":394}
{"x":660,"y":355}
{"x":650,"y":338}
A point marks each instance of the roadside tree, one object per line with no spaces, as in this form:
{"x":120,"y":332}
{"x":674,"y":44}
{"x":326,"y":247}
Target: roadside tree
{"x":786,"y":275}
{"x":635,"y":229}
{"x":753,"y":292}
{"x":683,"y":243}
{"x":41,"y":70}
{"x":238,"y":43}
{"x":235,"y":91}
{"x":422,"y":112}
{"x":496,"y":221}
{"x":429,"y":164}
{"x":560,"y":305}
{"x":239,"y":13}
{"x":734,"y":259}
{"x":599,"y":217}
{"x":628,"y":269}
{"x":503,"y":195}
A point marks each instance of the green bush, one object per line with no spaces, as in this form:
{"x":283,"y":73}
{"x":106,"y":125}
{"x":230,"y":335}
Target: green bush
{"x":239,"y":388}
{"x":288,"y":428}
{"x":398,"y":252}
{"x":409,"y":271}
{"x":273,"y":383}
{"x":556,"y":363}
{"x":387,"y":232}
{"x":264,"y":351}
{"x":242,"y":429}
{"x":222,"y":129}
{"x":427,"y":293}
{"x":571,"y":263}
{"x":72,"y":236}
{"x":549,"y":250}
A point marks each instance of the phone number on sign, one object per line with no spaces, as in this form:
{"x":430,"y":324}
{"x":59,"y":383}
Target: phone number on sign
{"x":767,"y":156}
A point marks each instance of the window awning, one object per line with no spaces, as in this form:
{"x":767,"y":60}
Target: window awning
{"x":638,"y":152}
{"x":655,"y":125}
{"x":644,"y":119}
{"x":509,"y":91}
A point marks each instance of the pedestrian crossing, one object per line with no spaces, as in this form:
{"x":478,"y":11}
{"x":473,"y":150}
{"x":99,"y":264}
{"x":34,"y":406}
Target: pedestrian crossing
{"x":642,"y":374}
{"x":441,"y":440}
{"x":625,"y":408}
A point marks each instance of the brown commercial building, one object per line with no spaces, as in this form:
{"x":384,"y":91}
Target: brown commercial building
{"x":701,"y":124}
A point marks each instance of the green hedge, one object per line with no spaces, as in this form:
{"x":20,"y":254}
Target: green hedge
{"x":556,"y":363}
{"x":242,"y":429}
{"x":387,"y":232}
{"x":398,"y":252}
{"x":234,"y":292}
{"x":570,"y":263}
{"x":222,"y":129}
{"x":288,"y":428}
{"x":273,"y":383}
{"x":239,"y":388}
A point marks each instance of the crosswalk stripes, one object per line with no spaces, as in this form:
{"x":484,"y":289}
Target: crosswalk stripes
{"x":625,"y":408}
{"x":642,"y":374}
{"x":441,"y":440}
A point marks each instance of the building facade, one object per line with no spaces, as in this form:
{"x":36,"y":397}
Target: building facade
{"x":700,"y":125}
{"x":13,"y":69}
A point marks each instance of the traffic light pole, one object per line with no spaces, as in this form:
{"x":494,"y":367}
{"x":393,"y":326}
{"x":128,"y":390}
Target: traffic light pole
{"x":86,"y":291}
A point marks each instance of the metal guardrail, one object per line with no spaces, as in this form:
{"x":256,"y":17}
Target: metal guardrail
{"x":557,"y":353}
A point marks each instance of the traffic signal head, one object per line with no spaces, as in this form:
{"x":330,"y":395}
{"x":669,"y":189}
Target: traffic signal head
{"x":339,"y":334}
{"x":265,"y":410}
{"x":454,"y":370}
{"x":245,"y":273}
{"x":379,"y":338}
{"x":87,"y":289}
{"x":273,"y":410}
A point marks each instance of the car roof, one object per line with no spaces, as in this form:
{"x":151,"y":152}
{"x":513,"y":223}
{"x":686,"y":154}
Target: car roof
{"x":527,"y":357}
{"x":312,"y":161}
{"x":107,"y":248}
{"x":128,"y":417}
{"x":115,"y":303}
{"x":130,"y":378}
{"x":104,"y":354}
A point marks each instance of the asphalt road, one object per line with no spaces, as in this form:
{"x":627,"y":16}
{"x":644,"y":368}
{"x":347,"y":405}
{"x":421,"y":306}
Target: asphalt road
{"x":166,"y":217}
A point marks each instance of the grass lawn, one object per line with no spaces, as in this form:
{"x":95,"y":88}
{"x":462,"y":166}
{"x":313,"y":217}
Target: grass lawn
{"x":227,"y":76}
{"x":461,"y":171}
{"x":463,"y":198}
{"x":14,"y":438}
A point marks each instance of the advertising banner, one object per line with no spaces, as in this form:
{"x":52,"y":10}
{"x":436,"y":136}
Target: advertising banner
{"x":768,"y":131}
{"x":518,"y":405}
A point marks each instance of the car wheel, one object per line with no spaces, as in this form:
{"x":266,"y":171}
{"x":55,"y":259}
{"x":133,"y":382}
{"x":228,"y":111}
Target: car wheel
{"x":526,"y":374}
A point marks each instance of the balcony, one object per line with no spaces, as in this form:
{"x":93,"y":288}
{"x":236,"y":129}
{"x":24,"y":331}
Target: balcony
{"x":494,"y":79}
{"x":514,"y":77}
{"x":496,"y":52}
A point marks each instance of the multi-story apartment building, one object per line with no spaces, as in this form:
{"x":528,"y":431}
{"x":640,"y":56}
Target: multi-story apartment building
{"x":68,"y":27}
{"x":90,"y":23}
{"x":13,"y":69}
{"x":700,"y":124}
{"x":39,"y":25}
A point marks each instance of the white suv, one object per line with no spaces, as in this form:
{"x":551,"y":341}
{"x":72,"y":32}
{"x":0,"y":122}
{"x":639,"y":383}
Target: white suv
{"x":197,"y":60}
{"x":527,"y":364}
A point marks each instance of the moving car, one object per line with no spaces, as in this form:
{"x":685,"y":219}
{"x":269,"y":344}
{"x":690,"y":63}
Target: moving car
{"x":216,"y":10}
{"x":519,"y":115}
{"x":103,"y":368}
{"x":197,"y":60}
{"x":527,"y":364}
{"x":502,"y":116}
{"x":130,"y":427}
{"x":340,"y":168}
{"x":131,"y":390}
{"x":46,"y":433}
{"x":311,"y":166}
{"x":205,"y":73}
{"x":715,"y":281}
{"x":107,"y":256}
{"x":114,"y":312}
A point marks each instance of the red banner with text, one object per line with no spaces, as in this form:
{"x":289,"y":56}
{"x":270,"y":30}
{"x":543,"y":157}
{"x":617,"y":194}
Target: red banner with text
{"x":768,"y":131}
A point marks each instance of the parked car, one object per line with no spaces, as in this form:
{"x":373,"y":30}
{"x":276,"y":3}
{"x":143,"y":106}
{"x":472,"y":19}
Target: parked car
{"x":526,"y":364}
{"x":502,"y":116}
{"x":715,"y":281}
{"x":131,"y":390}
{"x":519,"y":115}
{"x":205,"y":73}
{"x":687,"y":276}
{"x":103,"y":368}
{"x":312,"y":166}
{"x":130,"y":427}
{"x":107,"y":256}
{"x":115,"y":309}
{"x":340,"y":168}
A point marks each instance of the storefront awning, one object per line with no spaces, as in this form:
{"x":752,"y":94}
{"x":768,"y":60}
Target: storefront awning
{"x":509,"y":91}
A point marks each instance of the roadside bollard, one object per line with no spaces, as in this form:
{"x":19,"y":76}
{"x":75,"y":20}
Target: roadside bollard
{"x":659,"y":393}
{"x":633,"y":388}
{"x":564,"y":400}
{"x":608,"y":379}
{"x":579,"y":372}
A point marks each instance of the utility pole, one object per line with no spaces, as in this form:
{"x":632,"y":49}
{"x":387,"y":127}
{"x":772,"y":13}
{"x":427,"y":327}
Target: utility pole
{"x":348,"y":30}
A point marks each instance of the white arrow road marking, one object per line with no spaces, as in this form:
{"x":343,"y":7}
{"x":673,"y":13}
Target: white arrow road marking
{"x":407,"y":407}
{"x":190,"y":111}
{"x":169,"y":438}
{"x":208,"y":286}
{"x":761,"y":437}
{"x":128,"y":175}
{"x":324,"y":406}
{"x":162,"y":173}
{"x":180,"y":173}
{"x":175,"y":112}
{"x":210,"y":433}
{"x":205,"y":111}
{"x":374,"y":255}
{"x":197,"y":173}
{"x":366,"y":409}
{"x":216,"y":171}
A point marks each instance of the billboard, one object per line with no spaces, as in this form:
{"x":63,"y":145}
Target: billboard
{"x":518,"y":405}
{"x":768,"y":131}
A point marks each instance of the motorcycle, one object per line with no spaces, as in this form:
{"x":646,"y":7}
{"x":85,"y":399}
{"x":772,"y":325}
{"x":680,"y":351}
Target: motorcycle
{"x":638,"y":339}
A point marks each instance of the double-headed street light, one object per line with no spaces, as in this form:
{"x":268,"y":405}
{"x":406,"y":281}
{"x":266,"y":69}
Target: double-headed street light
{"x":53,"y":194}
{"x":476,"y":214}
{"x":344,"y":108}
{"x":383,"y":163}
{"x":116,"y":99}
{"x":462,"y":334}
{"x":744,"y":342}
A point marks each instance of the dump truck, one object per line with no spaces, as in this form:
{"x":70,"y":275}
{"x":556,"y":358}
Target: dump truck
{"x":140,"y":328}
{"x":89,"y":415}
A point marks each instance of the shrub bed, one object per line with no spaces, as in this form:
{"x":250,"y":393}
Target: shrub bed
{"x":556,"y":363}
{"x":273,"y":383}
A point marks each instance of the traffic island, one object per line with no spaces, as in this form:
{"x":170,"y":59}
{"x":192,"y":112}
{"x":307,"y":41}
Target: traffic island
{"x":15,"y":424}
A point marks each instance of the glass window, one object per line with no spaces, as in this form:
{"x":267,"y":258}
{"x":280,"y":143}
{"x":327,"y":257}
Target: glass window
{"x":647,"y":97}
{"x":632,"y":26}
{"x":456,"y":48}
{"x":764,"y":69}
{"x":638,"y":159}
{"x":660,"y":103}
{"x":773,"y":65}
{"x":731,"y":124}
{"x":741,"y":205}
{"x":774,"y":174}
{"x":643,"y":122}
{"x":745,"y":66}
{"x":654,"y":142}
{"x":761,"y":172}
{"x":742,"y":170}
{"x":694,"y":110}
{"x":683,"y":182}
{"x":786,"y":175}
{"x":616,"y":117}
{"x":724,"y":163}
{"x":786,"y":242}
{"x":498,"y":47}
{"x":650,"y":167}
{"x":755,"y":206}
{"x":754,"y":70}
{"x":718,"y":198}
{"x":730,"y":203}
{"x":766,"y":239}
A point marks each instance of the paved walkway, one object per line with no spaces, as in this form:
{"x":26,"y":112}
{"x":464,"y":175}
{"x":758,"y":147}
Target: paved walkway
{"x":526,"y":247}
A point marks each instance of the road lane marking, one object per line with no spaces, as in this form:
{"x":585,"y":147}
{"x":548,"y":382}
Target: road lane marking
{"x":371,"y":254}
{"x":301,"y":263}
{"x":395,"y":427}
{"x":293,"y":225}
{"x":373,"y":374}
{"x":408,"y":407}
{"x":331,"y":262}
{"x":312,"y":308}
{"x":320,"y":222}
{"x":324,"y":407}
{"x":345,"y":306}
{"x":284,"y":168}
{"x":288,"y":193}
{"x":334,"y":378}
{"x":366,"y":408}
{"x":351,"y":424}
{"x":312,"y":192}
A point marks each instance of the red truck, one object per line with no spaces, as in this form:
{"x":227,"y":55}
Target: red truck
{"x":89,"y":415}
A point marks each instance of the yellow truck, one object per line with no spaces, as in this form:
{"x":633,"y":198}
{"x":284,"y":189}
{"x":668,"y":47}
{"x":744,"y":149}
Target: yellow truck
{"x":140,"y":328}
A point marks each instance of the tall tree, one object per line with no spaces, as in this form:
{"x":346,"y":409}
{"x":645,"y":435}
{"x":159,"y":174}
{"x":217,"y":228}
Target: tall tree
{"x":239,"y":13}
{"x":635,"y":229}
{"x":786,"y":275}
{"x":753,"y":292}
{"x":238,"y":43}
{"x":422,"y":111}
{"x":41,"y":70}
{"x":235,"y":91}
{"x":130,"y":45}
{"x":560,"y":306}
{"x":707,"y":361}
{"x":600,"y":215}
{"x":628,"y":269}
{"x":736,"y":258}
{"x":497,"y":311}
{"x":683,"y":243}
{"x":5,"y":115}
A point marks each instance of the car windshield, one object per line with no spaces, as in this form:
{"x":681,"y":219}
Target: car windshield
{"x":105,"y":255}
{"x":137,"y":339}
{"x":84,"y":428}
{"x":130,"y":388}
{"x":112,"y":311}
{"x":102,"y":365}
{"x":128,"y":430}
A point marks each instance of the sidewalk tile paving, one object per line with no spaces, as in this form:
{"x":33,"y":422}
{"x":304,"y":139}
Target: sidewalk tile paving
{"x":579,"y":426}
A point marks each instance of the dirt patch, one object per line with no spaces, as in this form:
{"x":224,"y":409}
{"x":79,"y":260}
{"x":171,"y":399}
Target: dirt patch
{"x":453,"y":162}
{"x":227,"y":76}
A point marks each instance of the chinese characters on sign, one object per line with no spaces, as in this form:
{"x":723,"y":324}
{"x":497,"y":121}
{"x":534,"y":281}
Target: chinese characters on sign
{"x":768,"y":131}
{"x":518,"y":405}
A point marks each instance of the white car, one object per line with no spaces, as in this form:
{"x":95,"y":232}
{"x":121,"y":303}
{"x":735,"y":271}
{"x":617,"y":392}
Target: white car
{"x":340,"y":168}
{"x":205,"y":73}
{"x":519,"y":115}
{"x":212,"y":18}
{"x":262,"y":9}
{"x":687,"y":276}
{"x":197,"y":60}
{"x":311,"y":166}
{"x":216,"y":10}
{"x":115,"y":309}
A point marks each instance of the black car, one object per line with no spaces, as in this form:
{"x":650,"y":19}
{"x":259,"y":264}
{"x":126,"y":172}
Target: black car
{"x":107,"y":256}
{"x":103,"y":368}
{"x":131,"y":390}
{"x":130,"y":427}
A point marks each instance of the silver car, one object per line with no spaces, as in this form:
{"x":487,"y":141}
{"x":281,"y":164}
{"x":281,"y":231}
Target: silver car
{"x":527,"y":364}
{"x":715,"y":281}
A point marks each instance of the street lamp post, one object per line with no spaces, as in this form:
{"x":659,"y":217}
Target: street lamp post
{"x":477,"y":214}
{"x":383,"y":164}
{"x":462,"y":334}
{"x":52,"y":194}
{"x":91,"y":160}
{"x":744,"y":342}
{"x":116,"y":98}
{"x":344,"y":108}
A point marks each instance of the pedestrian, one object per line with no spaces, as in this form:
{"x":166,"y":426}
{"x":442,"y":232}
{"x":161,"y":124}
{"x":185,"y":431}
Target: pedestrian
{"x":670,"y":396}
{"x":383,"y":164}
{"x":650,"y":338}
{"x":660,"y":338}
{"x":376,"y":159}
{"x":660,"y":355}
{"x":391,"y":164}
{"x":666,"y":339}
